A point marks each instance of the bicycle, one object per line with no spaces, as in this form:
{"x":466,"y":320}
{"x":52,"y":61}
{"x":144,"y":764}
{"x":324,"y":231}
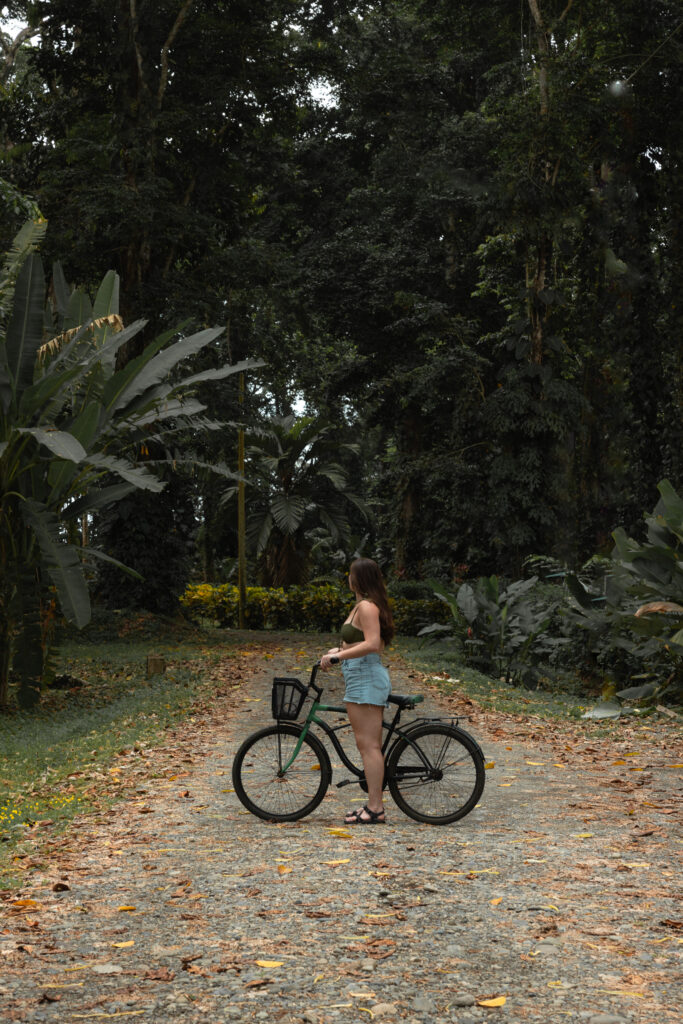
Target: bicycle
{"x":433,"y":768}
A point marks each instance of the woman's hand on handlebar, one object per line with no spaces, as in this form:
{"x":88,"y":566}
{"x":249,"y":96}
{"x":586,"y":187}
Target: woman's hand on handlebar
{"x":329,"y":659}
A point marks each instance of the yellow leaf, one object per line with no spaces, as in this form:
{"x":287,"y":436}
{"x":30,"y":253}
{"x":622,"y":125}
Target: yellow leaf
{"x":362,"y":995}
{"x":555,"y":984}
{"x":269,"y":963}
{"x":498,"y":1001}
{"x":364,"y":1009}
{"x":123,"y":945}
{"x":559,"y":766}
{"x":346,"y":861}
{"x":537,"y":764}
{"x":618,"y":762}
{"x":25,"y":903}
{"x":341,"y":832}
{"x":318,"y":977}
{"x":583,"y":835}
{"x":551,"y":906}
{"x":490,"y":764}
{"x":498,"y":899}
{"x":126,"y":908}
{"x":504,"y":784}
{"x":227,"y":791}
{"x":283,"y":870}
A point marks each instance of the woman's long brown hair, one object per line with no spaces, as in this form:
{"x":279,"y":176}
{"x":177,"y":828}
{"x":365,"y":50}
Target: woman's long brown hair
{"x":367,"y":580}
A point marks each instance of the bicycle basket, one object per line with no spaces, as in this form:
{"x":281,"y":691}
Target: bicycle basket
{"x":288,"y":698}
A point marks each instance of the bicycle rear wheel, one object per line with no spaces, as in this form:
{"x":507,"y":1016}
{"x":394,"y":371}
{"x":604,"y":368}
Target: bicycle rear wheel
{"x":436,"y":773}
{"x":262,"y":785}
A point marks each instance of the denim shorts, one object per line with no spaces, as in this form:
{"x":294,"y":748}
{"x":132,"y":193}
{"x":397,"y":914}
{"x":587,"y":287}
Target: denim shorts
{"x":367,"y":680}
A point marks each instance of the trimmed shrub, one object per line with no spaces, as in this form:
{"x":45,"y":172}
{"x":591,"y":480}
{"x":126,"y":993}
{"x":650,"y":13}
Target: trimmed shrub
{"x":319,"y":609}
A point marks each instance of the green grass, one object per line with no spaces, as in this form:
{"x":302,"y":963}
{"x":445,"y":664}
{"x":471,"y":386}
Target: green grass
{"x":55,"y":759}
{"x":435,"y":658}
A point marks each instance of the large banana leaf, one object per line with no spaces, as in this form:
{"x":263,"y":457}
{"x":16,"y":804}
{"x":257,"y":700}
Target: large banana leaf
{"x":59,"y":442}
{"x":62,"y":563}
{"x":125,"y":387}
{"x":218,"y":373}
{"x":25,"y":329}
{"x":96,"y":498}
{"x":137,"y":475}
{"x":79,"y":310}
{"x":60,"y":289}
{"x":107,"y":298}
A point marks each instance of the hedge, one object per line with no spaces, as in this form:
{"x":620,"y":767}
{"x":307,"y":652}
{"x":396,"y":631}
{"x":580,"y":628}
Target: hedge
{"x":320,"y":609}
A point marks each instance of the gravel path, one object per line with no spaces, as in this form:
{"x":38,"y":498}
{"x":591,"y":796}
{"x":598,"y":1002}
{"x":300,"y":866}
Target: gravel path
{"x":554,"y":898}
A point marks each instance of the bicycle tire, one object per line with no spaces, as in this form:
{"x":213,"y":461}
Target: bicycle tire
{"x":262,"y":790}
{"x":446,"y":790}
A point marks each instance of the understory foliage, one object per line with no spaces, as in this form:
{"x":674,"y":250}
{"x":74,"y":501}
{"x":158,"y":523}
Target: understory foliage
{"x":618,"y":624}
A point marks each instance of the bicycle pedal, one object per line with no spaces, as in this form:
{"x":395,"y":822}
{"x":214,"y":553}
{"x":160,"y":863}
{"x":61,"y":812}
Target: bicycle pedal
{"x":346,"y":782}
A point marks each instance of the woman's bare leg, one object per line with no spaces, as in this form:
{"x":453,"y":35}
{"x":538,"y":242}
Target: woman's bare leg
{"x":366,"y":722}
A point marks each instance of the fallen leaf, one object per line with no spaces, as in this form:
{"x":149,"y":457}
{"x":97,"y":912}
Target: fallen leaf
{"x":494,"y":903}
{"x":269,"y":963}
{"x":126,"y":908}
{"x":346,"y":861}
{"x":159,"y":974}
{"x":123,"y":945}
{"x":282,"y":869}
{"x":497,"y":1001}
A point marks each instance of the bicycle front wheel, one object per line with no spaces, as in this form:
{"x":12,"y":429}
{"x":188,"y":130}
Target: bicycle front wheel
{"x":436,"y":773}
{"x":264,"y":787}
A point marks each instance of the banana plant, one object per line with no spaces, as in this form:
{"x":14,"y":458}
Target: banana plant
{"x":640,"y":619}
{"x":72,"y":431}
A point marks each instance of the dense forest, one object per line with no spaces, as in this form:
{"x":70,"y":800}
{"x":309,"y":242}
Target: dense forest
{"x":449,"y":231}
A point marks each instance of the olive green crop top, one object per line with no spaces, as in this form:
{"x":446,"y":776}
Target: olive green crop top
{"x":351,"y":634}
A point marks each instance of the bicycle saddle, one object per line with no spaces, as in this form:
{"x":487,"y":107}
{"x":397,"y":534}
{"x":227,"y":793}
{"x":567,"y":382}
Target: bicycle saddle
{"x":405,"y":701}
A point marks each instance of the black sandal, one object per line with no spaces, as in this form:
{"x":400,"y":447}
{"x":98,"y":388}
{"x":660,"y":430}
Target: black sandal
{"x":375,"y":817}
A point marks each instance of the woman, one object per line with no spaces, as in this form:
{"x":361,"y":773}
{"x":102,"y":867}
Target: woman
{"x":364,"y":636}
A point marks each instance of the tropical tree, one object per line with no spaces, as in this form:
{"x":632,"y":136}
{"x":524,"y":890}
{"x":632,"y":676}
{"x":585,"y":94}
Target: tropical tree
{"x":74,"y":434}
{"x":298,"y":491}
